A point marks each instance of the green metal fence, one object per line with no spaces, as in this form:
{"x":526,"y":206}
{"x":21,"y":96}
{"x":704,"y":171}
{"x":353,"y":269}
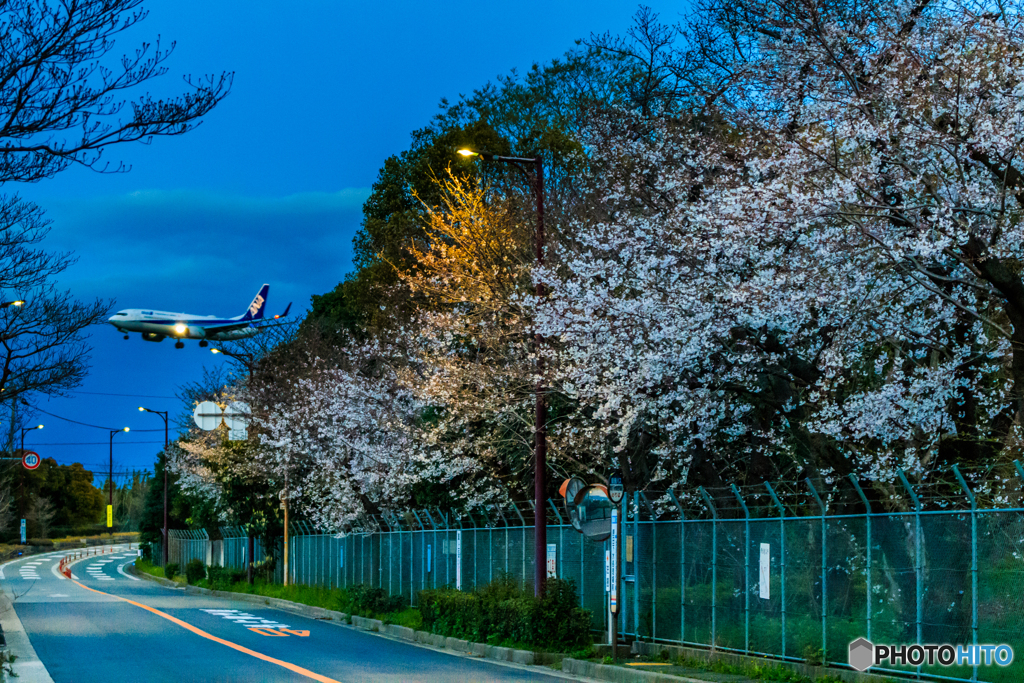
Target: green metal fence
{"x":928,"y":568}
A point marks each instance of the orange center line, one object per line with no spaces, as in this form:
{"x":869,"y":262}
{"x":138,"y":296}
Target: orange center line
{"x":234,"y":646}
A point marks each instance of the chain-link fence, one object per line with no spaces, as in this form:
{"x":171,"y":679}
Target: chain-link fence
{"x":782,"y":571}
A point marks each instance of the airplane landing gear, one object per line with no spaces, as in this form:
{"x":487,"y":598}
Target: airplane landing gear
{"x":126,"y":336}
{"x":203,"y":344}
{"x":179,"y":345}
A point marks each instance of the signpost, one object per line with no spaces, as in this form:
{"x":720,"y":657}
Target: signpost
{"x":552,"y":560}
{"x":23,"y":532}
{"x":613,"y":595}
{"x":30,"y":459}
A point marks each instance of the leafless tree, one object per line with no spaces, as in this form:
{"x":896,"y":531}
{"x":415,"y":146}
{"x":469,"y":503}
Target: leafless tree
{"x":61,"y":93}
{"x":40,"y":514}
{"x":43,"y":342}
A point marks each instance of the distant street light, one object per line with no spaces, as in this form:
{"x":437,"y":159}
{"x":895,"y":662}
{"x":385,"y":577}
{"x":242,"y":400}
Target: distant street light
{"x":110,"y":481}
{"x":8,"y":304}
{"x":540,"y":445}
{"x":29,"y":429}
{"x":166,"y":442}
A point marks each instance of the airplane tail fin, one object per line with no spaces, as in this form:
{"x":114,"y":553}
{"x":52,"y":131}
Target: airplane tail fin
{"x":258,"y":305}
{"x":286,"y":309}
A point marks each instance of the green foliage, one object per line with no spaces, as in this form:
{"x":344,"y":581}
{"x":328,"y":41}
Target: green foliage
{"x":171,"y":570}
{"x":502,"y":612}
{"x":366,"y":601}
{"x":223,"y":578}
{"x":195,"y":570}
{"x":147,"y":551}
{"x":76,"y":502}
{"x":43,"y":542}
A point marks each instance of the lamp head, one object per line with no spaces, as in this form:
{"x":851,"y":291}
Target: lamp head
{"x":468,"y":152}
{"x":125,"y":429}
{"x":38,"y":426}
{"x":18,"y":303}
{"x":214,"y":350}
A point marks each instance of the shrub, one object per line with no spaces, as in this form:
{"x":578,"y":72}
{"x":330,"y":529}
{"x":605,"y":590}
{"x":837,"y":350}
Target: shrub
{"x":147,"y":551}
{"x":369,"y":602}
{"x":224,"y":577}
{"x":195,"y":571}
{"x":171,"y":570}
{"x":502,"y":612}
{"x":43,"y":542}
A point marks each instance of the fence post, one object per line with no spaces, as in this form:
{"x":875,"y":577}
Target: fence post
{"x":918,"y":569}
{"x":867,"y":524}
{"x":746,"y":569}
{"x":654,"y":566}
{"x":824,"y":574}
{"x":782,"y":559}
{"x":974,"y":562}
{"x":682,"y":568}
{"x":714,"y":562}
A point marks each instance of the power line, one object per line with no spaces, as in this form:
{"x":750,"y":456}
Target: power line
{"x":86,"y":424}
{"x":102,"y":393}
{"x":93,"y":443}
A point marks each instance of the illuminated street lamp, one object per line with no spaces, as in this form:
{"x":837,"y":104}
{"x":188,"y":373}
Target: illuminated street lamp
{"x":540,"y":445}
{"x":166,"y":442}
{"x":8,"y":304}
{"x":28,"y":429}
{"x":110,"y":503}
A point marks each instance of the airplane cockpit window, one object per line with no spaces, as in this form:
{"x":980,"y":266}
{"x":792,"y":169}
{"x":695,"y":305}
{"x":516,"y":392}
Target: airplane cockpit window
{"x":120,"y":313}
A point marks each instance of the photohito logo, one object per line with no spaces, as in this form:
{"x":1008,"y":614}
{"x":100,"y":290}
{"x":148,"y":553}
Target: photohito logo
{"x":864,"y":654}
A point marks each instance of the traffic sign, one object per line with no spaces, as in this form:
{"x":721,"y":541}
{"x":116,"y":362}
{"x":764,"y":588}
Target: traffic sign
{"x":30,"y":459}
{"x":207,"y":415}
{"x":615,"y":487}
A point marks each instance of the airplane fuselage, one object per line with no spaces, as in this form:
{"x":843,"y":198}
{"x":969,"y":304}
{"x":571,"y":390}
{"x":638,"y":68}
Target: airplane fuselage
{"x":155,"y":325}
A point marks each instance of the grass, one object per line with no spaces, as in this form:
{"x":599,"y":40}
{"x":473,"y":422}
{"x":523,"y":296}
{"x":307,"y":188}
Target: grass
{"x":335,"y":599}
{"x":153,"y":570}
{"x":767,"y":672}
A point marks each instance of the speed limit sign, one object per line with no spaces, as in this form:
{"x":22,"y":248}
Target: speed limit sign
{"x":30,"y":459}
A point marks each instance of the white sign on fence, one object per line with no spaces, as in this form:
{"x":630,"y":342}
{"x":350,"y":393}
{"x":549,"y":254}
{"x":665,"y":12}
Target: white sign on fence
{"x":552,"y":560}
{"x":23,"y":532}
{"x":458,"y":560}
{"x":764,"y":576}
{"x":428,"y":558}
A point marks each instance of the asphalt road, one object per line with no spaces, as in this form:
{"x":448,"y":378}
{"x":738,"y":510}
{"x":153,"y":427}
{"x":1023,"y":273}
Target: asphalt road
{"x":109,"y":626}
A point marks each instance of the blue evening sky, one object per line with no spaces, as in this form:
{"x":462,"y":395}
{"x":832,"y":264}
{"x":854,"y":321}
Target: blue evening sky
{"x":269,"y":188}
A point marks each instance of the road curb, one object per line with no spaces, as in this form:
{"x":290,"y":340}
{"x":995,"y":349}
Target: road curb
{"x":499,"y":654}
{"x":28,"y":667}
{"x":618,"y":674}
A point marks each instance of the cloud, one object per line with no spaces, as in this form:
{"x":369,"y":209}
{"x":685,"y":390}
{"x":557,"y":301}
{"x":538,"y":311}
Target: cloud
{"x":190,"y":250}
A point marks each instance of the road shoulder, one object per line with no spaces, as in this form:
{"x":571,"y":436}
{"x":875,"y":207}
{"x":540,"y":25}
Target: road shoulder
{"x":27,"y":666}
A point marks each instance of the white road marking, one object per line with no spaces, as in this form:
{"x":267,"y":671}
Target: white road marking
{"x":55,"y":568}
{"x":58,"y":595}
{"x":120,"y":570}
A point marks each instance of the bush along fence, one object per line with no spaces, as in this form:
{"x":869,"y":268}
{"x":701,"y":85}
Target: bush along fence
{"x":784,"y":569}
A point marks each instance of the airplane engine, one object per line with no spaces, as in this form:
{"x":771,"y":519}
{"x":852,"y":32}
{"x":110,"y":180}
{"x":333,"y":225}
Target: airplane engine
{"x":152,"y":337}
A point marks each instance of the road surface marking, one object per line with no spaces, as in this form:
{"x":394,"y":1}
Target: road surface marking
{"x":55,"y":568}
{"x":234,"y":646}
{"x":120,"y":570}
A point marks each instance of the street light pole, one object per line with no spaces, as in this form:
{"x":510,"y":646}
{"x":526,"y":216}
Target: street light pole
{"x":110,"y":480}
{"x":29,"y":429}
{"x":540,"y":442}
{"x":166,"y":443}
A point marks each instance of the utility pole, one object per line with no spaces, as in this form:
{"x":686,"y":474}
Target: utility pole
{"x":163,"y":415}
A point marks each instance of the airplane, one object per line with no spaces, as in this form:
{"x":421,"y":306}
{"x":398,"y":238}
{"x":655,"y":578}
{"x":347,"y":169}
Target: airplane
{"x":155,"y":326}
